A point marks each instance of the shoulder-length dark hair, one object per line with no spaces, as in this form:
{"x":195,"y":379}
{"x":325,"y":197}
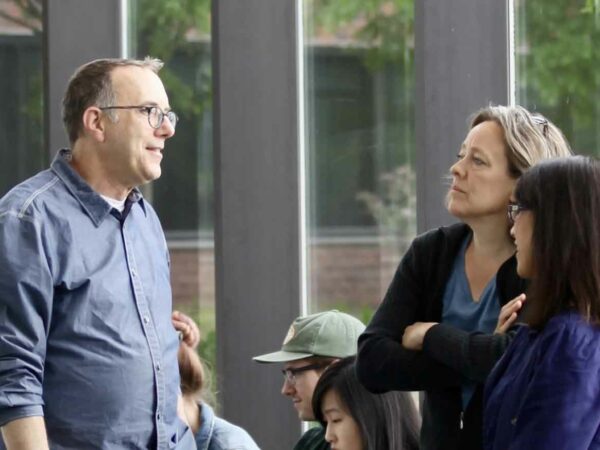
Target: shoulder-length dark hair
{"x":564,"y":196}
{"x":386,"y":421}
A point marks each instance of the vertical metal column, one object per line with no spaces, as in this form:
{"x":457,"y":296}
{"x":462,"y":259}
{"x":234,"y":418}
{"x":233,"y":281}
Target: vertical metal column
{"x":461,"y":58}
{"x":75,"y":32}
{"x":257,"y":224}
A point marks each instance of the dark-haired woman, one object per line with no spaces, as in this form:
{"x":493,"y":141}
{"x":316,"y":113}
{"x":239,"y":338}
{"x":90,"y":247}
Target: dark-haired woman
{"x":434,"y":330}
{"x":355,"y":419}
{"x":545,"y":392}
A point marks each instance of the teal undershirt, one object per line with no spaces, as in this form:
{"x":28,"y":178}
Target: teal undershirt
{"x":461,"y":311}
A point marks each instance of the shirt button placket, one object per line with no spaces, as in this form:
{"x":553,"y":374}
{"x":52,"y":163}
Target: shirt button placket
{"x":151,"y":335}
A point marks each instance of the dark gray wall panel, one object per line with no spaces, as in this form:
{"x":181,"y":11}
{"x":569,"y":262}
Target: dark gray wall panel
{"x":257,"y":214}
{"x":76,"y":31}
{"x":461,"y":58}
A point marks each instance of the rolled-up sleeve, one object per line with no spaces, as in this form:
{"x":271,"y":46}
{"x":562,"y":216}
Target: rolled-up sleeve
{"x":26,"y":295}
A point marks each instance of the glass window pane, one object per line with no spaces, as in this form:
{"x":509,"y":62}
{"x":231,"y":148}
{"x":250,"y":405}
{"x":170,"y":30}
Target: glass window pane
{"x":359,"y":107}
{"x":557,"y":54}
{"x":22,"y":151}
{"x":179,"y":34}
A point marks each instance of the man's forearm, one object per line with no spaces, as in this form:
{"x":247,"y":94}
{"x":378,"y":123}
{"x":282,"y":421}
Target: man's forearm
{"x":28,"y":433}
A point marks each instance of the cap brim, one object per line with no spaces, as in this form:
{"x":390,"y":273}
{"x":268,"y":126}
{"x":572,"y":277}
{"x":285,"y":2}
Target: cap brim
{"x":281,"y":356}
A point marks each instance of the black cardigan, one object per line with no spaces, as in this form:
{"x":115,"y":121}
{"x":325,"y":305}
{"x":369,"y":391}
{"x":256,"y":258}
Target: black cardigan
{"x":449,"y":354}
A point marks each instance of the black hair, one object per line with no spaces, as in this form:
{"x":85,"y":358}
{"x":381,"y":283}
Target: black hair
{"x":564,"y":196}
{"x":386,"y":421}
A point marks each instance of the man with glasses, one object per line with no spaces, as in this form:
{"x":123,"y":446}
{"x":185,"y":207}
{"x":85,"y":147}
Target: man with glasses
{"x":88,"y":354}
{"x":312,"y":343}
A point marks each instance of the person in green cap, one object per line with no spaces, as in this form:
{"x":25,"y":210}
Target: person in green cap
{"x":312,"y":343}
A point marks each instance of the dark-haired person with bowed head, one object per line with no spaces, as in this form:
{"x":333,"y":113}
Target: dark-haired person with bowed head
{"x":356,"y":419}
{"x":436,"y":329}
{"x":544,"y":393}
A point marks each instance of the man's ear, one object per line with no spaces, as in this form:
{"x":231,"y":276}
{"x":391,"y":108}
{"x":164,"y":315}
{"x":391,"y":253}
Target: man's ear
{"x":94,"y":123}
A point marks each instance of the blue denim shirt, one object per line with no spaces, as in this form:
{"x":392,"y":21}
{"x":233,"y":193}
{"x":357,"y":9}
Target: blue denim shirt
{"x":218,"y":434}
{"x":85,"y":317}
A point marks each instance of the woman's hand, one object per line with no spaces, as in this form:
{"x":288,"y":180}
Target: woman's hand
{"x":508,"y":314}
{"x":413,"y":336}
{"x":190,"y":333}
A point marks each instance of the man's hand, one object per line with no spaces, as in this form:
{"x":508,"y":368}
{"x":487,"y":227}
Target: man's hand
{"x":413,"y":336}
{"x":28,"y":433}
{"x":508,"y":314}
{"x":190,"y":332}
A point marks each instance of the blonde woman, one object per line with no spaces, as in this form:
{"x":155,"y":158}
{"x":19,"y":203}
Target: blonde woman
{"x":434,"y":330}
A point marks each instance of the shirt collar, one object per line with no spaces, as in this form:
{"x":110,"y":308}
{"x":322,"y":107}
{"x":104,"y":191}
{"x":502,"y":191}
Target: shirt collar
{"x":207,"y":426}
{"x":91,"y":202}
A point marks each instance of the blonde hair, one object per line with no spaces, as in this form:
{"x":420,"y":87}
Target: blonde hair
{"x":528,"y":137}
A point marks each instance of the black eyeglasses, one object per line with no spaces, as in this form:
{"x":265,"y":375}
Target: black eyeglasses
{"x":513,"y":210}
{"x":541,"y":120}
{"x":290,"y":374}
{"x":154,"y":113}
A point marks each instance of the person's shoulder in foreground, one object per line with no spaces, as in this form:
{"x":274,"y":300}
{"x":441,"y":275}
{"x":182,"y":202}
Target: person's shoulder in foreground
{"x":313,"y":439}
{"x":19,"y":198}
{"x":218,"y":434}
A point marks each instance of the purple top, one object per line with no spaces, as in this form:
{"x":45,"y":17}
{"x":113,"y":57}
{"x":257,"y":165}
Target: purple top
{"x":545,"y":391}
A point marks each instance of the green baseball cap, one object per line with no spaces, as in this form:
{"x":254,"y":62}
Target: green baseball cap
{"x":331,"y":334}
